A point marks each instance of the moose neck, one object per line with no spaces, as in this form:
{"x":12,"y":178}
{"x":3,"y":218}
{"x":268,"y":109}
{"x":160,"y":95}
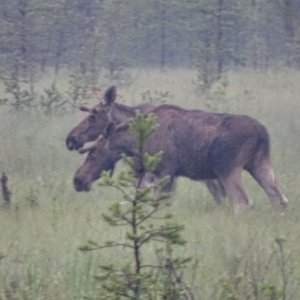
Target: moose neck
{"x":121,"y":113}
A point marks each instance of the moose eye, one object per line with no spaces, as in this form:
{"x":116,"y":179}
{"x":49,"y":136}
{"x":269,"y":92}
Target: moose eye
{"x":92,"y":118}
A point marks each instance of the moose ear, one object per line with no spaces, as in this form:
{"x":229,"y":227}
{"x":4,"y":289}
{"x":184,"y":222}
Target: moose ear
{"x":110,"y":95}
{"x":109,"y":130}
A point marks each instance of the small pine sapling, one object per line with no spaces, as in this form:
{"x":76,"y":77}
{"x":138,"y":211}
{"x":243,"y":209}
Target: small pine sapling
{"x":148,"y":224}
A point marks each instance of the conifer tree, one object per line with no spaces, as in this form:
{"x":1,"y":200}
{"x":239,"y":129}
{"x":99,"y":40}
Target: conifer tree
{"x":148,"y":223}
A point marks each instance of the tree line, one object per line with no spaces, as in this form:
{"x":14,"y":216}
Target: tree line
{"x":94,"y":35}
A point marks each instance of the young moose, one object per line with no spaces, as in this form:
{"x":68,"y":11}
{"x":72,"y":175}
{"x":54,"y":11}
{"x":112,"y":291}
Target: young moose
{"x":198,"y":145}
{"x":110,"y":112}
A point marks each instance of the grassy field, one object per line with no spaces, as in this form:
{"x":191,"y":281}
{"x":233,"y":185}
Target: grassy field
{"x":234,"y":257}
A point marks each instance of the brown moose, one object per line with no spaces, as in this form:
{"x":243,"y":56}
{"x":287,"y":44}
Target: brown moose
{"x":196,"y":144}
{"x":110,"y":112}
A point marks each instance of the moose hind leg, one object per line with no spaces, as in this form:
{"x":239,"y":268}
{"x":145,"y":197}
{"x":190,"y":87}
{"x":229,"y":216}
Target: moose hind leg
{"x":217,"y":190}
{"x":236,"y":191}
{"x":265,"y":177}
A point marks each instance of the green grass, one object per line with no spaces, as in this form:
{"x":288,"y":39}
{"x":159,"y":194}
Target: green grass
{"x":48,"y":221}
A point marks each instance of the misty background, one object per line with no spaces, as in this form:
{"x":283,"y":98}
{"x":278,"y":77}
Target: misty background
{"x":95,"y":36}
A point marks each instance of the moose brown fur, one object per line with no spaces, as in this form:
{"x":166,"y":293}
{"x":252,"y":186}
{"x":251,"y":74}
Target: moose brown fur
{"x":110,"y":112}
{"x":198,"y":145}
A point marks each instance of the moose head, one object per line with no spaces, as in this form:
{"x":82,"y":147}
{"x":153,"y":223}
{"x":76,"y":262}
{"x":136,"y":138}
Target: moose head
{"x":97,"y":120}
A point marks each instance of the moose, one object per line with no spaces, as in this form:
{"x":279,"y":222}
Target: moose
{"x":110,"y":112}
{"x":196,"y":144}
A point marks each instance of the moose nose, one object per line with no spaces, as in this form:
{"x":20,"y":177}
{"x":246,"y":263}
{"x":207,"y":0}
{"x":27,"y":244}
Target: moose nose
{"x":80,"y":185}
{"x":72,"y":143}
